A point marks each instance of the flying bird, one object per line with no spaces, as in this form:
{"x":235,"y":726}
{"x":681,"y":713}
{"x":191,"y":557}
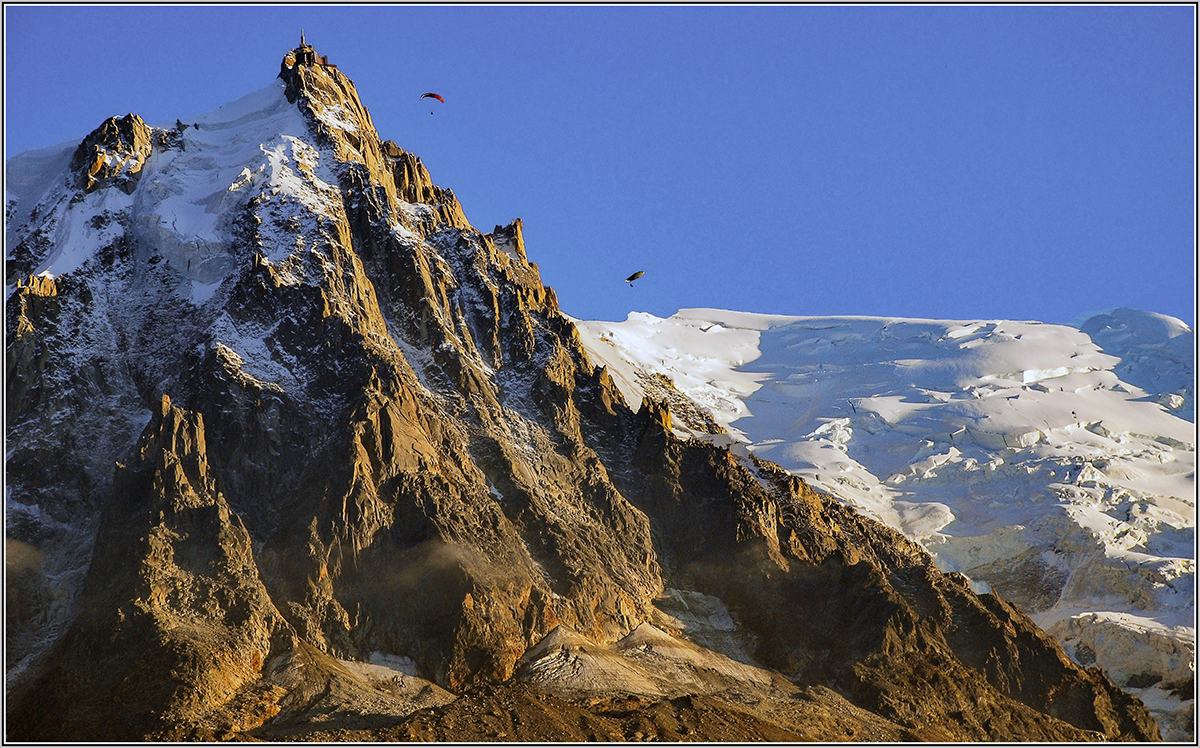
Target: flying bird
{"x":634,"y":277}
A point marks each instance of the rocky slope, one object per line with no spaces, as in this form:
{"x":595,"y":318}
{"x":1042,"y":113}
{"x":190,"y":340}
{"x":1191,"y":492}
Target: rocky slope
{"x":295,"y":452}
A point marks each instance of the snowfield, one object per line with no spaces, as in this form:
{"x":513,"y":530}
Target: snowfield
{"x":1054,"y":468}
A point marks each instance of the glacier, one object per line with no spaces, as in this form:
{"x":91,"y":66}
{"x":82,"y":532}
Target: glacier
{"x":1053,"y":468}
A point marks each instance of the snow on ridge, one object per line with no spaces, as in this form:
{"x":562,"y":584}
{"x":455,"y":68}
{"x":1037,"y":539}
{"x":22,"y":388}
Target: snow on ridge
{"x":256,"y":105}
{"x":1019,"y":453}
{"x":1135,"y":325}
{"x":252,"y":147}
{"x":1157,"y":353}
{"x":188,"y":196}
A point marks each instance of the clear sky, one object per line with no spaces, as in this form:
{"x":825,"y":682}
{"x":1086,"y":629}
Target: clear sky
{"x":1015,"y":162}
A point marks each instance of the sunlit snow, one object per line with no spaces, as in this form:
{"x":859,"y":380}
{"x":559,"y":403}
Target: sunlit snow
{"x":188,"y":197}
{"x":1013,"y":451}
{"x":252,"y":147}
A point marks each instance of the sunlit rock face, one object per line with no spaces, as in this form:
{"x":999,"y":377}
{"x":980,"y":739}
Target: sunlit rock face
{"x":341,"y":467}
{"x":112,"y":155}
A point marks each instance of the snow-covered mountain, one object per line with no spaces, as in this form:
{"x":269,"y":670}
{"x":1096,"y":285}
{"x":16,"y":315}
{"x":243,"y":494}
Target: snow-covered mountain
{"x":1053,"y":464}
{"x":294,"y":451}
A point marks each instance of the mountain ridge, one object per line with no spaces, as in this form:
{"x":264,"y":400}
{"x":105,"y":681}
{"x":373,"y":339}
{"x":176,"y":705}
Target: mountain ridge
{"x":374,"y":437}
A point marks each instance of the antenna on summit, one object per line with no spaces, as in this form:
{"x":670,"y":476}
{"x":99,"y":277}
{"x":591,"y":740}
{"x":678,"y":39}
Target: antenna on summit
{"x":301,"y":37}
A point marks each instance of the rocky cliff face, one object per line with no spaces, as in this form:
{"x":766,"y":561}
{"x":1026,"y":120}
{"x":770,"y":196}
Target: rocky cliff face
{"x":325,"y":455}
{"x":112,"y":155}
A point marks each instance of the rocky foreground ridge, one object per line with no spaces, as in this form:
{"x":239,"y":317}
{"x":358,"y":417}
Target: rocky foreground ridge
{"x":369,"y":486}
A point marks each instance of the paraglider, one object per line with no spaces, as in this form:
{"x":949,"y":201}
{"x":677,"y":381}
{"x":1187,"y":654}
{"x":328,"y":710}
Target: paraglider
{"x":432,"y":95}
{"x":634,"y":277}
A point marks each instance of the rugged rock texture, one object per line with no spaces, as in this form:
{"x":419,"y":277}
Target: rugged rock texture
{"x":176,"y":617}
{"x":112,"y":155}
{"x":35,"y":306}
{"x":382,"y":441}
{"x":836,"y":598}
{"x":513,"y":712}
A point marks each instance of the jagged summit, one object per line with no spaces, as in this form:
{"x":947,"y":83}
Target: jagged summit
{"x":306,"y":55}
{"x":117,"y":149}
{"x":385,"y":468}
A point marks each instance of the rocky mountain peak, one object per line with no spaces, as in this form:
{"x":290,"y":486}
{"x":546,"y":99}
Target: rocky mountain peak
{"x":113,"y":153}
{"x":366,"y":433}
{"x":511,"y":241}
{"x":329,"y":100}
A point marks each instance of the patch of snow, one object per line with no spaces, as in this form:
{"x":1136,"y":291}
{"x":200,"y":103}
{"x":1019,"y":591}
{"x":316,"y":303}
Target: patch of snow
{"x":397,"y":663}
{"x":83,"y":228}
{"x":336,"y":116}
{"x":200,"y":293}
{"x":28,"y":178}
{"x":248,"y":351}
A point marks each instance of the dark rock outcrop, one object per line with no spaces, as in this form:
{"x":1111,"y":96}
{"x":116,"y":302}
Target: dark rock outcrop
{"x":33,"y":308}
{"x":836,"y":598}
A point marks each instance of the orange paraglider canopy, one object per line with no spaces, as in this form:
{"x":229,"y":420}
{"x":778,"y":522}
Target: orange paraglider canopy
{"x":433,"y":96}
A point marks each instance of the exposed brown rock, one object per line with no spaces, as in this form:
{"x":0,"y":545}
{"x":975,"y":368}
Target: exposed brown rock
{"x":516,"y":713}
{"x":113,"y":154}
{"x":836,"y":598}
{"x":176,"y":619}
{"x":33,"y":306}
{"x":331,"y":102}
{"x":510,"y":240}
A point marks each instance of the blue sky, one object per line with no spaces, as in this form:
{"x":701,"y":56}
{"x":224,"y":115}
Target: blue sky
{"x":1014,"y":162}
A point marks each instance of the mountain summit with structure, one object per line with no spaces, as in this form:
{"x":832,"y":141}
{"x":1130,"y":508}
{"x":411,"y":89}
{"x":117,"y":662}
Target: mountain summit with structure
{"x":295,"y":452}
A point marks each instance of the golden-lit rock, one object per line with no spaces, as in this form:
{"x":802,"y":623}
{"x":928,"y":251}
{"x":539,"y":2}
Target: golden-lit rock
{"x":113,"y":154}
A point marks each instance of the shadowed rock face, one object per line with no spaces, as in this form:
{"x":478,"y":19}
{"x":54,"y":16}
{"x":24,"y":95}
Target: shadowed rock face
{"x":836,"y":598}
{"x":435,"y":473}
